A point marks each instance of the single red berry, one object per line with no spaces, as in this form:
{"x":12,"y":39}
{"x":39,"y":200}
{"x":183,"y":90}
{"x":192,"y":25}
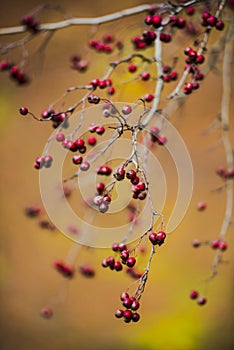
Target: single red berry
{"x":161,"y":235}
{"x":188,"y":88}
{"x":201,"y":206}
{"x":190,"y":10}
{"x":107,"y":199}
{"x":215,"y":244}
{"x":145,"y":76}
{"x":219,"y":25}
{"x":84,"y":166}
{"x":180,"y":23}
{"x":123,"y":296}
{"x":118,"y":266}
{"x":153,"y":238}
{"x":130,"y":262}
{"x":173,"y":75}
{"x":122,"y":247}
{"x":124,"y":255}
{"x":126,"y":110}
{"x":157,"y":21}
{"x":149,"y":97}
{"x":87,"y":271}
{"x":102,"y":84}
{"x":93,"y":128}
{"x":135,"y":305}
{"x":92,"y":141}
{"x":46,"y":312}
{"x":149,"y":20}
{"x":141,"y":186}
{"x":132,"y":68}
{"x":131,"y":174}
{"x":212,"y":21}
{"x":119,"y":313}
{"x":95,"y":82}
{"x":193,"y":294}
{"x":60,"y":137}
{"x":111,"y":90}
{"x":223,"y":246}
{"x":135,"y":181}
{"x":115,"y":247}
{"x":205,"y":15}
{"x":110,"y":262}
{"x":23,"y":110}
{"x":100,"y":187}
{"x":79,"y":143}
{"x":200,"y":59}
{"x":127,"y":302}
{"x":142,"y":195}
{"x":201,"y":301}
{"x":77,"y":159}
{"x":100,"y":130}
{"x":127,"y":316}
{"x":135,"y":317}
{"x":196,"y":243}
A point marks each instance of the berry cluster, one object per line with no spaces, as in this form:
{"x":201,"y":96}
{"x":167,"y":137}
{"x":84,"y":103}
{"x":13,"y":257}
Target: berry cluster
{"x":212,"y":21}
{"x":225,"y":173}
{"x":214,"y":244}
{"x":157,"y":238}
{"x":31,"y":24}
{"x":43,"y":161}
{"x":65,"y":269}
{"x":57,"y":119}
{"x":78,"y":63}
{"x":131,"y":305}
{"x":106,"y":45}
{"x":169,"y":74}
{"x":155,"y":136}
{"x":15,"y":73}
{"x":102,"y":202}
{"x":102,"y":84}
{"x":194,"y":295}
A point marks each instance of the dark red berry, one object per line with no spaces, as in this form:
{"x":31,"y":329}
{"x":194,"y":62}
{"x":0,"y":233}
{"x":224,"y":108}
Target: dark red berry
{"x":135,"y":317}
{"x":193,"y":294}
{"x":119,"y":313}
{"x":130,"y":262}
{"x":23,"y":110}
{"x":201,"y":301}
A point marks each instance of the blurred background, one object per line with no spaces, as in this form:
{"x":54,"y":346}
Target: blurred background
{"x":84,"y":308}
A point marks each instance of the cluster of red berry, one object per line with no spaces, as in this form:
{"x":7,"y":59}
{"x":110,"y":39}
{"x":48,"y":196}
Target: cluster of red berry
{"x":15,"y":73}
{"x":106,"y":45}
{"x":131,"y":305}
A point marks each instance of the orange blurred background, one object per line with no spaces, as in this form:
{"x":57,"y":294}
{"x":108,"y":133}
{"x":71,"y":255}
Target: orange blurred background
{"x":84,"y":308}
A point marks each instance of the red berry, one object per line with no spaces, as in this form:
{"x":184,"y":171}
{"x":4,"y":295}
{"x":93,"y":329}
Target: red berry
{"x":115,"y":247}
{"x":190,"y":10}
{"x":223,"y":245}
{"x":157,"y":21}
{"x":100,"y":187}
{"x":127,"y":316}
{"x":102,"y":84}
{"x":60,"y":137}
{"x":123,"y":296}
{"x":201,"y":301}
{"x":77,"y":159}
{"x":149,"y":97}
{"x":119,"y":313}
{"x":215,"y":244}
{"x":46,"y":312}
{"x":149,"y":20}
{"x":118,"y":266}
{"x":219,"y":25}
{"x":193,"y":294}
{"x":110,"y":261}
{"x":130,"y":262}
{"x":100,"y":130}
{"x":196,"y":243}
{"x":135,"y":317}
{"x":131,"y":174}
{"x":122,"y":247}
{"x":124,"y":255}
{"x":127,"y":110}
{"x":132,"y":68}
{"x":84,"y":166}
{"x":92,"y":141}
{"x":201,"y":206}
{"x":23,"y":110}
{"x":145,"y":76}
{"x":200,"y":59}
{"x":111,"y":90}
{"x":135,"y":305}
{"x":93,"y":128}
{"x":212,"y":20}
